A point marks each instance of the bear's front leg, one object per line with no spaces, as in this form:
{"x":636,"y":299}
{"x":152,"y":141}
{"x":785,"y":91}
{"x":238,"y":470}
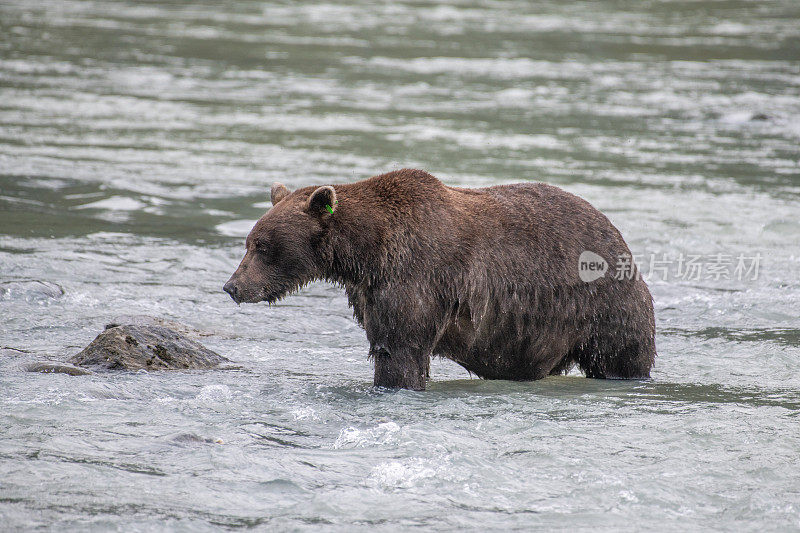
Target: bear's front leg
{"x":400,"y":369}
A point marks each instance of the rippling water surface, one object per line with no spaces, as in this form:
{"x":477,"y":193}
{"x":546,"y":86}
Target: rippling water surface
{"x":137,"y":144}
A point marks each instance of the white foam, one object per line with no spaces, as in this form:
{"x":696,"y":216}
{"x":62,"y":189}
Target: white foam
{"x":114,"y":203}
{"x":305,"y":413}
{"x":214,"y":394}
{"x":235,"y":228}
{"x":403,"y":474}
{"x":352,"y":437}
{"x":737,"y":117}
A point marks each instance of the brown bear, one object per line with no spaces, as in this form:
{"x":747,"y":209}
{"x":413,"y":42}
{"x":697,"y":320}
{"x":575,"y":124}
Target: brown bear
{"x":513,"y":282}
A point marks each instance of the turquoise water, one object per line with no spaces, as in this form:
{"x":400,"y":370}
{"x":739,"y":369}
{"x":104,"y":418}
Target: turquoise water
{"x":137,"y":145}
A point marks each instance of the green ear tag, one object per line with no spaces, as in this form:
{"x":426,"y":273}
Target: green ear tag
{"x":329,"y":208}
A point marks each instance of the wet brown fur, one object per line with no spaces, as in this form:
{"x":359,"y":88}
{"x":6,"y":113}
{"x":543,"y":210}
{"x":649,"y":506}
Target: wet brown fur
{"x":486,"y":277}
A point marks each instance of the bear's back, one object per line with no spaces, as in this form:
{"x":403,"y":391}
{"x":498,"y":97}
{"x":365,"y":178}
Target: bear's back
{"x":514,"y":231}
{"x":528,"y":228}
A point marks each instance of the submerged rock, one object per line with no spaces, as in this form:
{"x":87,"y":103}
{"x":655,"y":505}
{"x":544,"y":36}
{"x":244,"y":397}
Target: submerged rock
{"x":30,"y":290}
{"x":145,"y":346}
{"x":55,"y":367}
{"x":191,"y":438}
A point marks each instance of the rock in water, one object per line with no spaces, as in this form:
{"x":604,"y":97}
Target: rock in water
{"x":147,"y":321}
{"x":143,"y":346}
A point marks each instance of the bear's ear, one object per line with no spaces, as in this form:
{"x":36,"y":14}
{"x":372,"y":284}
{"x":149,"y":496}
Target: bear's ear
{"x":322,"y":202}
{"x":278,"y":192}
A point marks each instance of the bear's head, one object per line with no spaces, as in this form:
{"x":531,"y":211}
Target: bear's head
{"x":282,"y":249}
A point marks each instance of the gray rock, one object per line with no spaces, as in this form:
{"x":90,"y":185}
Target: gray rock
{"x":54,"y":367}
{"x":147,"y":321}
{"x":145,"y":346}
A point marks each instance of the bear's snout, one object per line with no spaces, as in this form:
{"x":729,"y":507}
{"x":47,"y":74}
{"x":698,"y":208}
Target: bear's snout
{"x":233,"y":290}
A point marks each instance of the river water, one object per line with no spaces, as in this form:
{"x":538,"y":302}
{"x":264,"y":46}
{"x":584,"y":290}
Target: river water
{"x":137,"y":145}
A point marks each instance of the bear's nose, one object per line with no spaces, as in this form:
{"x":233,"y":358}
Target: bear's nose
{"x":231,"y":289}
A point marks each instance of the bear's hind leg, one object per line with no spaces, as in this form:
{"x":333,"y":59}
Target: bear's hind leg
{"x":633,"y":361}
{"x":400,"y":370}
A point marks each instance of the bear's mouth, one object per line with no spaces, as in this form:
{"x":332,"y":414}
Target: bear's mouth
{"x":270,"y":294}
{"x":278,"y":294}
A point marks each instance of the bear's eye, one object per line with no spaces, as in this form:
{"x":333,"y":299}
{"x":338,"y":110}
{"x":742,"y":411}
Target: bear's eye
{"x":262,"y":246}
{"x":268,"y":250}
